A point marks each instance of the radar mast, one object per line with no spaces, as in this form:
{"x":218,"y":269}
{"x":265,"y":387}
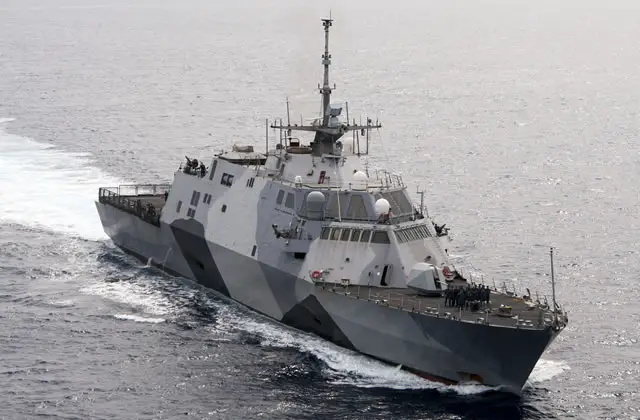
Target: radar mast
{"x":328,"y":128}
{"x":325,"y":90}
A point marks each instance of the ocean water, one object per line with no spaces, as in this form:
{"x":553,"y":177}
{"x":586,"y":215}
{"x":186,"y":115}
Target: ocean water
{"x":519,"y":120}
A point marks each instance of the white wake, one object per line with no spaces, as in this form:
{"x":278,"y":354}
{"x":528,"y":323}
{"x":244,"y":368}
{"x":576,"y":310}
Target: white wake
{"x":137,"y":318}
{"x":44,"y":187}
{"x":545,"y":370}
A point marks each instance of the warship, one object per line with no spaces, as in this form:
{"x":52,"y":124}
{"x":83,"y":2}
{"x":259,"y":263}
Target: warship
{"x":308,"y":235}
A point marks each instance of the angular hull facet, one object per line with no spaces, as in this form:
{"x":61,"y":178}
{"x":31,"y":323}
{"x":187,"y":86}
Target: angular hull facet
{"x":446,"y":350}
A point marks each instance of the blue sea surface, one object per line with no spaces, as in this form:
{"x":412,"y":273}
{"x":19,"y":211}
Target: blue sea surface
{"x":519,"y":120}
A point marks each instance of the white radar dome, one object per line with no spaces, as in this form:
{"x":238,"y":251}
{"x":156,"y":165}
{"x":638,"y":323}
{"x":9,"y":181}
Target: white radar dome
{"x":298,"y":179}
{"x":315,"y":197}
{"x":382,"y":206}
{"x":315,"y":205}
{"x":360,"y":176}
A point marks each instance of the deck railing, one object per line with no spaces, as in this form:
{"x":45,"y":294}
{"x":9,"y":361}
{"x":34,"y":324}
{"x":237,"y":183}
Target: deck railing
{"x":130,"y":204}
{"x":506,"y":287}
{"x":378,"y":180}
{"x":532,"y":319}
{"x":141,"y":189}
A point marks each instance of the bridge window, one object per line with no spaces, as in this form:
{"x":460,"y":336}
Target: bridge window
{"x":325,"y":233}
{"x":191,"y":212}
{"x":410,"y":235}
{"x":335,"y":234}
{"x":380,"y":237}
{"x":280,"y":197}
{"x":179,"y":206}
{"x":289,"y":203}
{"x":355,"y":235}
{"x":366,"y":235}
{"x":345,"y":234}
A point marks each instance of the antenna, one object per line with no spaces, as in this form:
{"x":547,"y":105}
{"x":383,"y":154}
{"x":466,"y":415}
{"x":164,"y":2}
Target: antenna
{"x":353,"y":137}
{"x":266,"y":137}
{"x":357,"y":138}
{"x":288,"y":122}
{"x":368,"y":123}
{"x":553,"y":289}
{"x":325,"y":90}
{"x":288,"y":116}
{"x":421,"y":201}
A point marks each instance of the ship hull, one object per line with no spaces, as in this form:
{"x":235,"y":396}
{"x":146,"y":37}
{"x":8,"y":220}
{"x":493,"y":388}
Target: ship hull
{"x":437,"y":348}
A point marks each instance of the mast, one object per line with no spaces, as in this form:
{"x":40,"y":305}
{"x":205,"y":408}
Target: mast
{"x":553,"y":289}
{"x":325,"y":91}
{"x":289,"y":124}
{"x":421,"y":201}
{"x":326,"y":131}
{"x":266,"y":136}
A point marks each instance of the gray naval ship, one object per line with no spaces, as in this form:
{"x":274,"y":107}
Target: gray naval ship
{"x":308,"y":235}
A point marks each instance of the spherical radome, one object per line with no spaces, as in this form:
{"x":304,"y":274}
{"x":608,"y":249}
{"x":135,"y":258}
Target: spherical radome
{"x":360,"y":176}
{"x":382,"y":206}
{"x":315,"y":197}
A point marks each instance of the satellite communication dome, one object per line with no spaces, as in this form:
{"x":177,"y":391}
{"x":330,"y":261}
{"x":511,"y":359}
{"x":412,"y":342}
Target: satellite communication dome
{"x":382,"y":206}
{"x":315,"y":205}
{"x":315,"y":197}
{"x":360,"y":176}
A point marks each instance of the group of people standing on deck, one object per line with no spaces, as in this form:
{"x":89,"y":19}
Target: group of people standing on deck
{"x":464,"y":297}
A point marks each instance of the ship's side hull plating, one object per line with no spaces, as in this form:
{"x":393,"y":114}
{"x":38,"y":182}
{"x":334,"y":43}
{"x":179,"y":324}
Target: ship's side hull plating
{"x":436,"y":347}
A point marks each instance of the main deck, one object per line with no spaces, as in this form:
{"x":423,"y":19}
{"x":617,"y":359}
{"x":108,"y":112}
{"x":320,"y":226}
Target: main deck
{"x":143,"y":201}
{"x":503,"y":309}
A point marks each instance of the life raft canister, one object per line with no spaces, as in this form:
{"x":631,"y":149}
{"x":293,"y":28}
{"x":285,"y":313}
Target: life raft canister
{"x":315,"y":274}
